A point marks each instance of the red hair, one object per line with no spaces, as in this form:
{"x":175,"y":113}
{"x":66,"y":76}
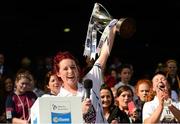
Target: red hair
{"x":61,"y":56}
{"x":148,"y":82}
{"x":142,"y":81}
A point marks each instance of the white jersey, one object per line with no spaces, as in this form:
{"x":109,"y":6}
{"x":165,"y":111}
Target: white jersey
{"x":150,"y":107}
{"x":95,"y":74}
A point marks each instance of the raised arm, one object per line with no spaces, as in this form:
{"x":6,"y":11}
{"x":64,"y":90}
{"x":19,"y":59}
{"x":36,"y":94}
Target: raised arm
{"x":155,"y":116}
{"x":106,"y":48}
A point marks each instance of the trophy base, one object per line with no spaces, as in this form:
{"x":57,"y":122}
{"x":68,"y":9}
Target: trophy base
{"x":126,"y":27}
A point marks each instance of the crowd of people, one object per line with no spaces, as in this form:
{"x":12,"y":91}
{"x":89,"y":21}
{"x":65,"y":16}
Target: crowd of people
{"x":113,"y":99}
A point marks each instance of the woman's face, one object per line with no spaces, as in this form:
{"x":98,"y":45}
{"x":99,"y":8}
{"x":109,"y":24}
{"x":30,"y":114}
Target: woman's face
{"x":124,"y":98}
{"x":68,"y":72}
{"x":22,"y":85}
{"x":143,"y":91}
{"x":106,"y":98}
{"x":9,"y":85}
{"x":126,"y":75}
{"x":54,"y":84}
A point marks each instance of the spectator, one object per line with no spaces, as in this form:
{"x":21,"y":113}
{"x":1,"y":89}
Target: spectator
{"x":125,"y":96}
{"x":112,"y":113}
{"x":161,"y":109}
{"x":18,"y":104}
{"x":52,"y":84}
{"x":143,"y":88}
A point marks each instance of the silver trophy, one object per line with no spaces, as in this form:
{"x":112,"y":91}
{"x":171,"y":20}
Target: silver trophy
{"x":100,"y":17}
{"x":101,"y":21}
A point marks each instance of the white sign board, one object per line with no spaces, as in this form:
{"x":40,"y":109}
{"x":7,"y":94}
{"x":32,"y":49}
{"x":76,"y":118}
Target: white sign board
{"x":56,"y":110}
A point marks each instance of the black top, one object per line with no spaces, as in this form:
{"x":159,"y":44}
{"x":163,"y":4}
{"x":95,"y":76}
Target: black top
{"x":117,"y":114}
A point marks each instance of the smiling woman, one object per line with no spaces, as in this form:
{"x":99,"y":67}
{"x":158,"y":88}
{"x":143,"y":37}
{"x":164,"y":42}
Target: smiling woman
{"x":112,"y":113}
{"x":37,"y":28}
{"x":52,"y":84}
{"x":20,"y":101}
{"x":68,"y":70}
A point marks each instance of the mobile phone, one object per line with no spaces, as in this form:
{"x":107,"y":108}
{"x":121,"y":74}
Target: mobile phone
{"x":131,"y":107}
